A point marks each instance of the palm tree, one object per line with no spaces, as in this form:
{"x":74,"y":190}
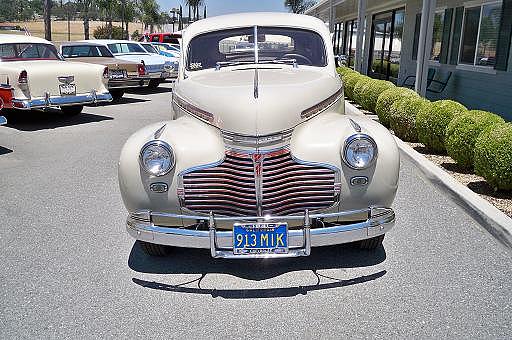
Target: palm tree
{"x":195,"y":7}
{"x":47,"y":19}
{"x":299,"y":6}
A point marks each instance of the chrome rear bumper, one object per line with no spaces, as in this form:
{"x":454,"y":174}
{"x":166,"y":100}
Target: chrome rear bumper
{"x":48,"y":101}
{"x":380,"y":220}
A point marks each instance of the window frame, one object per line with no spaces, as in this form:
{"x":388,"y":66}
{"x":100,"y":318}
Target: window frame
{"x":474,"y":66}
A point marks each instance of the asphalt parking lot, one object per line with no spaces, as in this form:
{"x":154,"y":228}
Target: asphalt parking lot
{"x":69,"y":269}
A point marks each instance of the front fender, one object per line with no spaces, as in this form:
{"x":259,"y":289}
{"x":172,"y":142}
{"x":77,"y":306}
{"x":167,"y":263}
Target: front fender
{"x":321,"y":140}
{"x":193,"y":142}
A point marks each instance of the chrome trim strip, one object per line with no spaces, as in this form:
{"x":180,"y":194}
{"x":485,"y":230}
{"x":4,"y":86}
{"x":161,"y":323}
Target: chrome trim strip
{"x":380,"y":220}
{"x":256,"y":50}
{"x":323,"y":105}
{"x":91,"y":98}
{"x":256,"y":84}
{"x":356,"y":126}
{"x":159,"y":132}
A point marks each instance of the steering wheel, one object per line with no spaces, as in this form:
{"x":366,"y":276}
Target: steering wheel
{"x":298,"y":57}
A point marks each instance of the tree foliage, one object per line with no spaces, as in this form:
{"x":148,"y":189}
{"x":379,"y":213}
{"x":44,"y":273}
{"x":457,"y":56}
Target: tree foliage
{"x":299,"y":6}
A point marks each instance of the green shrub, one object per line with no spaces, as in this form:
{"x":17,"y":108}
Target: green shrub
{"x":360,"y":88}
{"x":343,"y":70}
{"x":462,"y":132}
{"x":433,"y":120}
{"x":403,"y":117}
{"x":493,"y":156}
{"x":387,"y":98}
{"x":393,"y":68}
{"x":102,"y":32}
{"x":349,"y":81}
{"x":372,"y":92}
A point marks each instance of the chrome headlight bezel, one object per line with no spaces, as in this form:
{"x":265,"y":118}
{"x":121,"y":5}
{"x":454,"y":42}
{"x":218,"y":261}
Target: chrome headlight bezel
{"x":354,"y":138}
{"x":165,"y":147}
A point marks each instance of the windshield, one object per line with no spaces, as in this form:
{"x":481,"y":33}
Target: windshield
{"x":149,"y":48}
{"x":237,"y":46}
{"x":126,"y":48}
{"x":30,"y":51}
{"x":85,"y":51}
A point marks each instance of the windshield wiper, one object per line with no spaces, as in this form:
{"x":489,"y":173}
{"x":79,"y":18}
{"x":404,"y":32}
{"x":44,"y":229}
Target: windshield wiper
{"x":281,"y":61}
{"x":221,"y":64}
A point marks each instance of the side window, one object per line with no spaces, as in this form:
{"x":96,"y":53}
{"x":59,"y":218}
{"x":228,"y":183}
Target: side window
{"x":155,"y":38}
{"x":480,"y":35}
{"x":7,"y":50}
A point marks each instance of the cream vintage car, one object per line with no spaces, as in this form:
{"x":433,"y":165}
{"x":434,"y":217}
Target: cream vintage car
{"x":259,"y":159}
{"x":40,"y":78}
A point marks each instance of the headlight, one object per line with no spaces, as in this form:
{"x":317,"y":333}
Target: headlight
{"x":157,"y":158}
{"x":360,"y":151}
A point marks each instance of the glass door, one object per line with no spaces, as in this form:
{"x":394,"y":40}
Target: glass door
{"x":386,"y":45}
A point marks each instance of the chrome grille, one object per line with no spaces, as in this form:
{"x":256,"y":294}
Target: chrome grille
{"x":258,"y":184}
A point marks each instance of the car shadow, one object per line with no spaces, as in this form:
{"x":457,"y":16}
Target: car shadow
{"x":199,"y":262}
{"x":4,"y":151}
{"x":35,"y":120}
{"x":123,"y":100}
{"x":147,"y":90}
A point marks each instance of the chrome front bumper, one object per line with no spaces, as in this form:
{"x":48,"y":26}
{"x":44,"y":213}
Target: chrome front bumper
{"x":48,"y":101}
{"x":380,"y":220}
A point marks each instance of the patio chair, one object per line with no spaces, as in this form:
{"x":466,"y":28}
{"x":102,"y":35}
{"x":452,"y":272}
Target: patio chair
{"x":436,"y":81}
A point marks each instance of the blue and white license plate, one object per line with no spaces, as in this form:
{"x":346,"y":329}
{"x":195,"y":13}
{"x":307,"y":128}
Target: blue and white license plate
{"x":260,"y":238}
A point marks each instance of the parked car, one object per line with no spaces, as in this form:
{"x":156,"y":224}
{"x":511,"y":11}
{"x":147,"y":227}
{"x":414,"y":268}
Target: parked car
{"x":168,"y":50}
{"x":40,"y":78}
{"x":259,"y":158}
{"x":156,"y":68}
{"x":173,"y":38}
{"x":122,"y":74}
{"x":5,"y":97}
{"x":171,"y":61}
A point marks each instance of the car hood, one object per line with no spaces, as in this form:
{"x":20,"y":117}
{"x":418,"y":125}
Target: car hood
{"x":149,"y":59}
{"x":274,"y":105}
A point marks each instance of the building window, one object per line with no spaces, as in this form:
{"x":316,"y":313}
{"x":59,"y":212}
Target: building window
{"x":480,"y":34}
{"x":349,"y":45}
{"x":437,"y":36}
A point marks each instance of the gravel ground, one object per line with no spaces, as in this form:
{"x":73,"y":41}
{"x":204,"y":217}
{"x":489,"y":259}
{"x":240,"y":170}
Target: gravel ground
{"x":500,"y":199}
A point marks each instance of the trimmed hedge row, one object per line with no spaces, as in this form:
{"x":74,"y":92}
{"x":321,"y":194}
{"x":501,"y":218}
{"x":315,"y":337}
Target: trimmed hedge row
{"x":474,"y":139}
{"x":403,"y":117}
{"x":462,"y":133}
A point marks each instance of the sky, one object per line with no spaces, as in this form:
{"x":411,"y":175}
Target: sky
{"x":218,"y":7}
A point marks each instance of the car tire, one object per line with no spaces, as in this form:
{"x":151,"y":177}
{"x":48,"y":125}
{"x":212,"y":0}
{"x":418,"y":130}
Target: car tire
{"x":116,"y":94}
{"x":153,"y":249}
{"x":153,"y":83}
{"x":72,"y":110}
{"x":371,"y":243}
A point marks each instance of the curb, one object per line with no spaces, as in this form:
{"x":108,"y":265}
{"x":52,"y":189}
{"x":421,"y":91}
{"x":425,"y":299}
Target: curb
{"x":491,"y":218}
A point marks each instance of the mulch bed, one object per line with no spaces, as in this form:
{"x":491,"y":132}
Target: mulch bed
{"x":501,"y":200}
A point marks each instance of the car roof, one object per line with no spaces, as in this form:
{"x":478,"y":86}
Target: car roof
{"x":80,"y":43}
{"x":111,"y":41}
{"x":270,"y":19}
{"x":16,"y":38}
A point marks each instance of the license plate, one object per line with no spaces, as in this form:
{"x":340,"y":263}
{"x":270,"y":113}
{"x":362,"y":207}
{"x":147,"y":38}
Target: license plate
{"x":117,"y":74}
{"x":260,"y":238}
{"x":165,"y":75}
{"x":67,"y":90}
